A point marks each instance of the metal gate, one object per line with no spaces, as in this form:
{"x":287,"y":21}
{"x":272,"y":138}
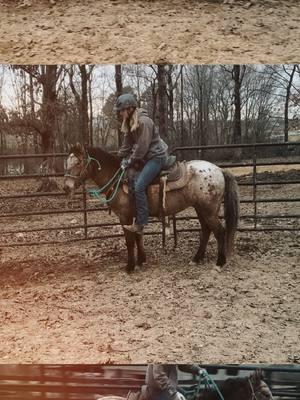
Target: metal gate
{"x":30,"y":232}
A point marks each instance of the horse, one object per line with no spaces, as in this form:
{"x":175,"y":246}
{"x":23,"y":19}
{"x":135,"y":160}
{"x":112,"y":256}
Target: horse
{"x":246,"y":388}
{"x":207,"y":187}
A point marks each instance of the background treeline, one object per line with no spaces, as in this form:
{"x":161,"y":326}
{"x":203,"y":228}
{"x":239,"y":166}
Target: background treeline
{"x":45,"y":108}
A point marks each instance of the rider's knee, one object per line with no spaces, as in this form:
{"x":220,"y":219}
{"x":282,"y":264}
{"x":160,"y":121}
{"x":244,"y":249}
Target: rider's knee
{"x":139,"y":187}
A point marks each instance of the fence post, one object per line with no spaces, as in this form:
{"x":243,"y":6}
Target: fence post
{"x":85,"y":213}
{"x":174,"y":230}
{"x":254,"y":185}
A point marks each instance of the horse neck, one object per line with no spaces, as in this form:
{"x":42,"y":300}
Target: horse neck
{"x":109,"y":166}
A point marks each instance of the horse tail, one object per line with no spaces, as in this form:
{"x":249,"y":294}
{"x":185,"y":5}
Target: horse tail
{"x":231,"y":210}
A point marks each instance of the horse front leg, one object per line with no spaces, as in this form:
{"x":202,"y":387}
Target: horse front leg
{"x":141,"y":254}
{"x":130,"y":244}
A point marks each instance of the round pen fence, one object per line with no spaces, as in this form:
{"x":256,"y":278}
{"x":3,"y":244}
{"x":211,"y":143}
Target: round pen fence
{"x":269,"y":196}
{"x":87,"y":382}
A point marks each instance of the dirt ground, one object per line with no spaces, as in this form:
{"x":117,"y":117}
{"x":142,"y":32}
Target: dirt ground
{"x":74,"y":303}
{"x":139,"y":31}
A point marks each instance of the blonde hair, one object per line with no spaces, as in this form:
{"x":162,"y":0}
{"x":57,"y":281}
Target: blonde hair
{"x":133,"y":122}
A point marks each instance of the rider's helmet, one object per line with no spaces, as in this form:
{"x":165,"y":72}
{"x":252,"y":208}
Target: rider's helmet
{"x":125,"y":101}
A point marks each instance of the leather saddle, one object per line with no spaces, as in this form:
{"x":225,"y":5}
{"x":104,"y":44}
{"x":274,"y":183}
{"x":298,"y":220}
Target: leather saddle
{"x":173,"y":176}
{"x":172,"y":171}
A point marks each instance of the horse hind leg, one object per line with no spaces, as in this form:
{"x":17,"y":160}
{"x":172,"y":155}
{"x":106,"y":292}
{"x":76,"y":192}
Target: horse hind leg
{"x":204,"y":237}
{"x":219,"y":232}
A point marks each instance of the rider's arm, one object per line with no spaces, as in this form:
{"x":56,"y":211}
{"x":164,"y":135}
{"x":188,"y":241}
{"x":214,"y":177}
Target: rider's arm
{"x":190,"y":368}
{"x":144,"y":140}
{"x":126,"y":147}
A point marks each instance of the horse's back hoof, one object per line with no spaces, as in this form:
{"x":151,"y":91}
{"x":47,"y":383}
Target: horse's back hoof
{"x":193,"y":263}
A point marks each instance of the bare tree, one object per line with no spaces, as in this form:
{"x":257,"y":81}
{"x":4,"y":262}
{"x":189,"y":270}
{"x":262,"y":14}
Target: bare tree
{"x":119,"y":90}
{"x":81,"y":97}
{"x":238,"y":72}
{"x":287,"y":101}
{"x":162,"y":100}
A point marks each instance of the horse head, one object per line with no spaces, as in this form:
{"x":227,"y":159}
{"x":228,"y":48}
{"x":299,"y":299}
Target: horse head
{"x":78,"y":168}
{"x":259,"y":389}
{"x":250,"y":388}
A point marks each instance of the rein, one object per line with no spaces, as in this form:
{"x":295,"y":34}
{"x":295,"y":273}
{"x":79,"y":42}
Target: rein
{"x":253,"y":395}
{"x":118,"y":176}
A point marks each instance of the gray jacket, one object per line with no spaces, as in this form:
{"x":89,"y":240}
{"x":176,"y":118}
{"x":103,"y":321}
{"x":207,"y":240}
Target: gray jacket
{"x":164,"y":377}
{"x":145,"y":142}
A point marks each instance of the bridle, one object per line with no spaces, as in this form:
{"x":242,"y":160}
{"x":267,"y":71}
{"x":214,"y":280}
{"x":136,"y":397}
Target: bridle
{"x":253,"y":392}
{"x":83,"y":172}
{"x":110,"y":189}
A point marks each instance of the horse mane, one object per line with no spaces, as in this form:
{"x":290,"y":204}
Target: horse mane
{"x":103,"y":156}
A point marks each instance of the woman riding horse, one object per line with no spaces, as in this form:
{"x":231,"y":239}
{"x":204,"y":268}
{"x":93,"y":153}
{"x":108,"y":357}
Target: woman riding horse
{"x":144,"y":153}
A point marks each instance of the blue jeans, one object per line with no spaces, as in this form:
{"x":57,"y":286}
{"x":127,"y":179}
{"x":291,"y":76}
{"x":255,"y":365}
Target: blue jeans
{"x":141,"y":181}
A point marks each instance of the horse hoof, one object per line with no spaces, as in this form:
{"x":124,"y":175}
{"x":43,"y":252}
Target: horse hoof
{"x":193,"y":263}
{"x":141,"y":262}
{"x":130,"y":269}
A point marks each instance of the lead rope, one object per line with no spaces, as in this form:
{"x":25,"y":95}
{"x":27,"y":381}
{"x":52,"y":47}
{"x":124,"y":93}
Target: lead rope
{"x":209,"y":383}
{"x":118,"y":176}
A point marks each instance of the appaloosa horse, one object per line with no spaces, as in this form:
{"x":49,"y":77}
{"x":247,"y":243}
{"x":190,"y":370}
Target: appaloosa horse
{"x":207,"y":187}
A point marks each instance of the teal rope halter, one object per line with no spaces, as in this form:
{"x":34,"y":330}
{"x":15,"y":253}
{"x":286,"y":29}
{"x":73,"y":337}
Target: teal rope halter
{"x":208,"y":383}
{"x":89,"y":159}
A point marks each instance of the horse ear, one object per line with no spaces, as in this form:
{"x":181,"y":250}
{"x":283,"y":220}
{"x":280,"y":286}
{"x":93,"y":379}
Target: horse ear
{"x":256,"y":377}
{"x":79,"y":147}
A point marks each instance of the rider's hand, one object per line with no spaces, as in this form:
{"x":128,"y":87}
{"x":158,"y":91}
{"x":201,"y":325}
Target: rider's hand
{"x":125,"y":163}
{"x":201,"y":372}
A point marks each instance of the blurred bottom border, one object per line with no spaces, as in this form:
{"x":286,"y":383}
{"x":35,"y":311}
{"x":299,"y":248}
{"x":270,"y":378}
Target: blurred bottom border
{"x":93,"y":381}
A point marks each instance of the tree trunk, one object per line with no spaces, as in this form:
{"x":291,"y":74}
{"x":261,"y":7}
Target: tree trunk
{"x":32,"y":113}
{"x":181,"y":108}
{"x":48,"y":107}
{"x":119,"y":91}
{"x":91,"y":126}
{"x":286,"y":105}
{"x":170,"y":101}
{"x":84,"y":106}
{"x":162,"y":101}
{"x":237,"y":131}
